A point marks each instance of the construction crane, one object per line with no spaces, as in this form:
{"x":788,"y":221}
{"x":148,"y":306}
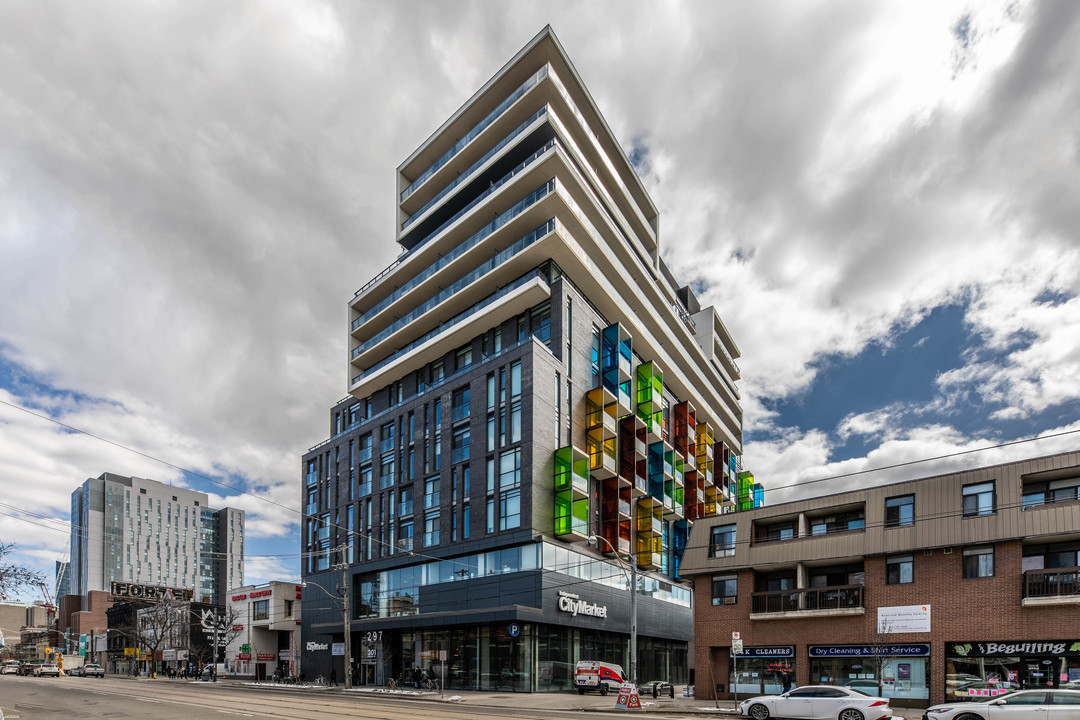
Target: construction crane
{"x":50,"y":608}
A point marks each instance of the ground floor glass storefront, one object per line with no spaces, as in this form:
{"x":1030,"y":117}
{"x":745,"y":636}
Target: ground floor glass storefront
{"x":512,"y":657}
{"x":765,"y":670}
{"x":891,"y":671}
{"x":975,"y":671}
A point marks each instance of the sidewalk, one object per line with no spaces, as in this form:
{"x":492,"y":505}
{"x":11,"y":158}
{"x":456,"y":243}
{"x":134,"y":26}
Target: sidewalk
{"x":568,"y":700}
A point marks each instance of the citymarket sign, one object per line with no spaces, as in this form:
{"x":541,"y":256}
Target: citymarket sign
{"x":571,"y":603}
{"x":312,"y":646}
{"x":832,"y":651}
{"x":1056,"y":648}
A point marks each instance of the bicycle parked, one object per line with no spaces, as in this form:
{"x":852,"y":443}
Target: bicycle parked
{"x":392,"y":684}
{"x":431,"y":684}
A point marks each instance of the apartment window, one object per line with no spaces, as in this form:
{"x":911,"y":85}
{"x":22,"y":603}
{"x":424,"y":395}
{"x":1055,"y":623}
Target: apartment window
{"x":490,"y":432}
{"x":510,"y":469}
{"x":515,"y":379}
{"x":459,"y":404}
{"x":838,"y":523}
{"x":498,"y":339}
{"x":515,"y":421}
{"x":463,"y":357}
{"x":780,"y":531}
{"x":431,"y":530}
{"x":724,"y":589}
{"x":722,"y":542}
{"x":420,"y":380}
{"x":459,"y":448}
{"x":898,"y":570}
{"x":979,"y":561}
{"x":260,"y":610}
{"x":979,"y":499}
{"x":465,"y":521}
{"x":1054,"y":491}
{"x":438,"y":372}
{"x":491,"y":515}
{"x":595,"y":357}
{"x":510,"y":509}
{"x":431,"y":493}
{"x":900,"y":511}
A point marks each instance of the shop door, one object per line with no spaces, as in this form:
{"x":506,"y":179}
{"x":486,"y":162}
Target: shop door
{"x":1037,"y":673}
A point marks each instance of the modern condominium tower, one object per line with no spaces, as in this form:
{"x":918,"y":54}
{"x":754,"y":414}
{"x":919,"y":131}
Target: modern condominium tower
{"x":134,"y":530}
{"x":535,"y":405}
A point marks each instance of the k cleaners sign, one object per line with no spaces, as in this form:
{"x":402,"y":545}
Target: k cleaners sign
{"x":571,"y":603}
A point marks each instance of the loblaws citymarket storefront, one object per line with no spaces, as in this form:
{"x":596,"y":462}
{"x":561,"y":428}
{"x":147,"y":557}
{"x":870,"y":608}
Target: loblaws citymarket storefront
{"x":977,"y":670}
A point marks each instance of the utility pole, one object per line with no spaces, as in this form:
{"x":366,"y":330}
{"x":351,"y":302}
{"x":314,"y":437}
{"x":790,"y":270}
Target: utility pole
{"x":213,"y":667}
{"x":344,"y":590}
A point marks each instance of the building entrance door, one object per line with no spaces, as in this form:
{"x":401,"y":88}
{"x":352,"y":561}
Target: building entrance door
{"x":1037,"y":673}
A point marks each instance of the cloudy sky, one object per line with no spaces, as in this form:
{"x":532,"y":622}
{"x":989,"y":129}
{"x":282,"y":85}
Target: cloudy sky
{"x":881,"y":199}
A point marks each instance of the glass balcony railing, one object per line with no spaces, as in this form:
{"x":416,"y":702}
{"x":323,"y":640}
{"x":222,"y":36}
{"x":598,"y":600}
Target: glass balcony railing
{"x":364,"y":455}
{"x":405,"y":544}
{"x":386,"y":481}
{"x":624,"y":508}
{"x":463,"y":315}
{"x":324,"y":533}
{"x":458,"y":455}
{"x":386,"y":445}
{"x":405,"y":508}
{"x":465,"y":174}
{"x":472,"y":134}
{"x":459,"y":413}
{"x":431,"y":500}
{"x":431,"y":538}
{"x":311,"y":508}
{"x":312,"y":477}
{"x":363,"y":490}
{"x":469,"y":243}
{"x":453,"y":289}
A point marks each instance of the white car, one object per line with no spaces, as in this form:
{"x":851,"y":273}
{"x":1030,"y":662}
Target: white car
{"x":1021,"y":705}
{"x":818,"y":702}
{"x":9,"y":669}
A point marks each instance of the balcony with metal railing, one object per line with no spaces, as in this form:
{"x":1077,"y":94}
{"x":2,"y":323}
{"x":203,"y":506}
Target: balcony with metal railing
{"x":808,"y":602}
{"x":431,"y":500}
{"x":1056,"y":586}
{"x":405,"y":508}
{"x":459,"y":413}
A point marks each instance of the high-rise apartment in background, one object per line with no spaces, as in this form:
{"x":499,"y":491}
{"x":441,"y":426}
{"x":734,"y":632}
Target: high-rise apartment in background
{"x":133,"y":530}
{"x":526,"y":376}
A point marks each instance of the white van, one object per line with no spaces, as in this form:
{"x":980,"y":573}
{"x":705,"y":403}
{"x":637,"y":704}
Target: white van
{"x":595,"y":675}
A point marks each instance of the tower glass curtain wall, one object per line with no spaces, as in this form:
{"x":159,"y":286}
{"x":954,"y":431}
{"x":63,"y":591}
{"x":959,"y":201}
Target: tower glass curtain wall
{"x":531,"y":377}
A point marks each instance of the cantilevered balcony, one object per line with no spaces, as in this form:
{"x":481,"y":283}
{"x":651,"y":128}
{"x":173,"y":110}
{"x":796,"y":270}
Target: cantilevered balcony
{"x":807,"y":602}
{"x":1058,"y":586}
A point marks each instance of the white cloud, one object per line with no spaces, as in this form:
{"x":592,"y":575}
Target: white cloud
{"x":190,"y":193}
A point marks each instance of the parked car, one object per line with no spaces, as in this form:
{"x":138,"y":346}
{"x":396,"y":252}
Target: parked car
{"x":91,"y":670}
{"x":1020,"y":705}
{"x":656,"y":688}
{"x":9,"y":668}
{"x":27,"y":667}
{"x":818,"y":702}
{"x":47,"y":669}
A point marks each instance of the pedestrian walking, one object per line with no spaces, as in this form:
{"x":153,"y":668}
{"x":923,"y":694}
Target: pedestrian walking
{"x":333,"y":677}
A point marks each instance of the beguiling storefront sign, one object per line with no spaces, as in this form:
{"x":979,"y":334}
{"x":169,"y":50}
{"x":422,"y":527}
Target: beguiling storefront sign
{"x":571,"y":603}
{"x":1013,"y":648}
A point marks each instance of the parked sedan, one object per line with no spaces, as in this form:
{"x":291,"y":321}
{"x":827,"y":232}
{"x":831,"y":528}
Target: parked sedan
{"x":657,"y":688}
{"x":1020,"y":705}
{"x":9,"y":669}
{"x":47,"y":669}
{"x":818,"y":702}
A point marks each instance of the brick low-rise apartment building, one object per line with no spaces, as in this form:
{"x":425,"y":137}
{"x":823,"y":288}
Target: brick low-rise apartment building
{"x":943,"y":588}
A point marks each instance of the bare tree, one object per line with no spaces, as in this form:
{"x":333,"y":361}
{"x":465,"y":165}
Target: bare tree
{"x":881,"y":651}
{"x":201,"y":642}
{"x":14,"y":576}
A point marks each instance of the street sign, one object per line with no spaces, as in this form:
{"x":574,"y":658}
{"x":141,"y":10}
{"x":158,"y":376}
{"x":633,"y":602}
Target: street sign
{"x":735,"y":636}
{"x":514,"y":629}
{"x":736,"y":647}
{"x":245,"y":648}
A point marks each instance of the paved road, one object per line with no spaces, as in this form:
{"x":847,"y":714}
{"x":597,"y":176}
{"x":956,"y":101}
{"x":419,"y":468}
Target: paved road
{"x":93,"y":698}
{"x":27,"y":698}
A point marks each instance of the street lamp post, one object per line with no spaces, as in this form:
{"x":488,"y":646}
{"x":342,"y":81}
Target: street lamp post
{"x":632,"y":579}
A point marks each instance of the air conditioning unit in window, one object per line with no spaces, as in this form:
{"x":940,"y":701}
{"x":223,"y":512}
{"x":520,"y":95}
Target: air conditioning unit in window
{"x":927,"y":553}
{"x":947,"y":551}
{"x":729,"y":601}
